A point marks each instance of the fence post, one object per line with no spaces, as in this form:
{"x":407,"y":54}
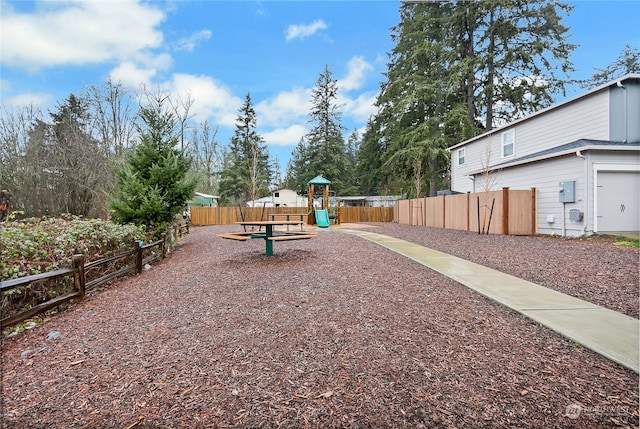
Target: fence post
{"x":468,"y":210}
{"x":505,"y":211}
{"x":80,"y":281}
{"x":167,"y":245}
{"x":138,"y":249}
{"x":444,"y":210}
{"x":534,"y":214}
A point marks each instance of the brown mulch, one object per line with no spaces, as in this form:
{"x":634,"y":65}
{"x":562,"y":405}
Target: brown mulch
{"x":331,"y":332}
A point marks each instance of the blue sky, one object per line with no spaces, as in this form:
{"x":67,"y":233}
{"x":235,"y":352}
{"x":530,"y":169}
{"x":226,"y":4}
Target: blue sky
{"x":217,"y":51}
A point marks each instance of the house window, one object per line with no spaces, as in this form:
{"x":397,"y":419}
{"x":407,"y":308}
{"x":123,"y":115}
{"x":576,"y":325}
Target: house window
{"x":462,"y":156}
{"x":276,"y":194}
{"x":508,"y":143}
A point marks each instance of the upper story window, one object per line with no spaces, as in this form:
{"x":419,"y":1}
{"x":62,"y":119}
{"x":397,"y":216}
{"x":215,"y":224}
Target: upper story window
{"x":508,"y":143}
{"x":276,"y":194}
{"x":462,"y":156}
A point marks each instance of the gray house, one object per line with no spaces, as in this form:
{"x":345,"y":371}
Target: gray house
{"x":582,"y":156}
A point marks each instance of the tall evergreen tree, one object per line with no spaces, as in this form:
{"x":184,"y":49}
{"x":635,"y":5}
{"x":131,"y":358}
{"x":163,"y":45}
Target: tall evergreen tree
{"x":153,"y":185}
{"x":82,"y":173}
{"x":297,"y":165}
{"x":419,"y":106}
{"x":352,"y":181}
{"x":627,"y":62}
{"x":518,"y":52}
{"x":457,"y":69}
{"x":322,"y":150}
{"x":55,"y":167}
{"x":369,"y":164}
{"x":246,"y":173}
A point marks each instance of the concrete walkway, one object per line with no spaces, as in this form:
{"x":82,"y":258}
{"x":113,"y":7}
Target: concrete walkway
{"x":607,"y":332}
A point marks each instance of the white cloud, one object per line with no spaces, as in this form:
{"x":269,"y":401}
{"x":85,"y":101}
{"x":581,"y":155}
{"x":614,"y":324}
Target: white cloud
{"x":301,"y":31}
{"x":189,"y":43}
{"x":357,"y":71}
{"x":289,"y":136}
{"x":83,"y":32}
{"x":211,"y":99}
{"x":37,"y":99}
{"x":132,"y":76}
{"x":361,"y":108}
{"x":284,"y":108}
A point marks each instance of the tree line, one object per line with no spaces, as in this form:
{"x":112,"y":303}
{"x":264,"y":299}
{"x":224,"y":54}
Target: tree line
{"x":457,"y":69}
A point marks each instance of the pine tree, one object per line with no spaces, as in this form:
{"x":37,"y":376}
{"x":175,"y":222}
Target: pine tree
{"x":322,"y":150}
{"x":82,"y":172}
{"x":457,"y":69}
{"x":518,"y":52}
{"x":627,"y":62}
{"x":419,"y":106}
{"x":152,"y":185}
{"x":351,"y":180}
{"x":246,"y":173}
{"x":369,"y":160}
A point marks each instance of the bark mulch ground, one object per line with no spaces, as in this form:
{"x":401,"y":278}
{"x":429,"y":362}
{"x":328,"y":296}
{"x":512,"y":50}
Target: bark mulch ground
{"x":330,"y":332}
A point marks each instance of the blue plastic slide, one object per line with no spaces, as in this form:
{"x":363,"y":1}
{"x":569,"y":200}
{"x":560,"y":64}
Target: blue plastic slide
{"x":322,"y":218}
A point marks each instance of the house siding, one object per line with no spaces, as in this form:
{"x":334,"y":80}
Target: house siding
{"x":537,"y":175}
{"x":592,"y":121}
{"x":546,"y":176}
{"x":587,"y":118}
{"x":625,"y":111}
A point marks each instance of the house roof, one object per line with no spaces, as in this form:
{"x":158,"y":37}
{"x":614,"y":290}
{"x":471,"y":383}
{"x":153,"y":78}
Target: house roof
{"x":200,"y":194}
{"x":565,"y":149}
{"x":547,"y":109}
{"x":359,"y":198}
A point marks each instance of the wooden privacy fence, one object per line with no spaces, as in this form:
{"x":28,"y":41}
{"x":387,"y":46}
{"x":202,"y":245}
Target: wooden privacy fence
{"x":495,"y":212}
{"x":230,"y":215}
{"x":141,"y":254}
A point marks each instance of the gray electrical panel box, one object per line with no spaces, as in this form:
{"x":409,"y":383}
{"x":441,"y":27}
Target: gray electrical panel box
{"x":567,"y":191}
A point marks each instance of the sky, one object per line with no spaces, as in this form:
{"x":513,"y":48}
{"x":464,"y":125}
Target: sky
{"x":215,"y":52}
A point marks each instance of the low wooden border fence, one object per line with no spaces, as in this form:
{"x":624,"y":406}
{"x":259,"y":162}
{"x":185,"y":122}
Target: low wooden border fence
{"x":80,"y":269}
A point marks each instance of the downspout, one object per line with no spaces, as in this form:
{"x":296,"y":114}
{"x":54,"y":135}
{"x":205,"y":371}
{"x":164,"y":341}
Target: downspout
{"x":586,"y":192}
{"x":625,"y":115}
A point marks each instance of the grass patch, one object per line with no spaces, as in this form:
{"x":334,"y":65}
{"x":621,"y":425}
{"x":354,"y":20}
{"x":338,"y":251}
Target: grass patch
{"x":628,"y":242}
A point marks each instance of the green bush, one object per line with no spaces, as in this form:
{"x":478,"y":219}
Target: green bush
{"x":36,"y":245}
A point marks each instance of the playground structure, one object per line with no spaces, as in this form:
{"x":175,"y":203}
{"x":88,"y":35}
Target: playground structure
{"x":320,"y":217}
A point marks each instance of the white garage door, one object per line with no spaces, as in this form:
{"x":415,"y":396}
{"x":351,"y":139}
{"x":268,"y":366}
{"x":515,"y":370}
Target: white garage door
{"x":618,"y":201}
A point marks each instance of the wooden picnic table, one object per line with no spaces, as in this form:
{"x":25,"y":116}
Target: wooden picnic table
{"x":269,"y":235}
{"x":288,"y":217}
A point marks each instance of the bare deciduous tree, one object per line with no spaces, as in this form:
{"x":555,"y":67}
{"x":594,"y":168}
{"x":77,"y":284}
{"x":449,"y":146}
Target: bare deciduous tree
{"x":181,"y":108}
{"x":205,"y":150}
{"x":113,"y":115}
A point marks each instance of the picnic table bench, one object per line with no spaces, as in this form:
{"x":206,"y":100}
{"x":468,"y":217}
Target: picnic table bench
{"x":269,"y":235}
{"x":288,"y":217}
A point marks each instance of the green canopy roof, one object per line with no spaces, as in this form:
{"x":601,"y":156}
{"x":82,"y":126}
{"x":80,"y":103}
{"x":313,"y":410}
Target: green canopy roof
{"x":318,"y":180}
